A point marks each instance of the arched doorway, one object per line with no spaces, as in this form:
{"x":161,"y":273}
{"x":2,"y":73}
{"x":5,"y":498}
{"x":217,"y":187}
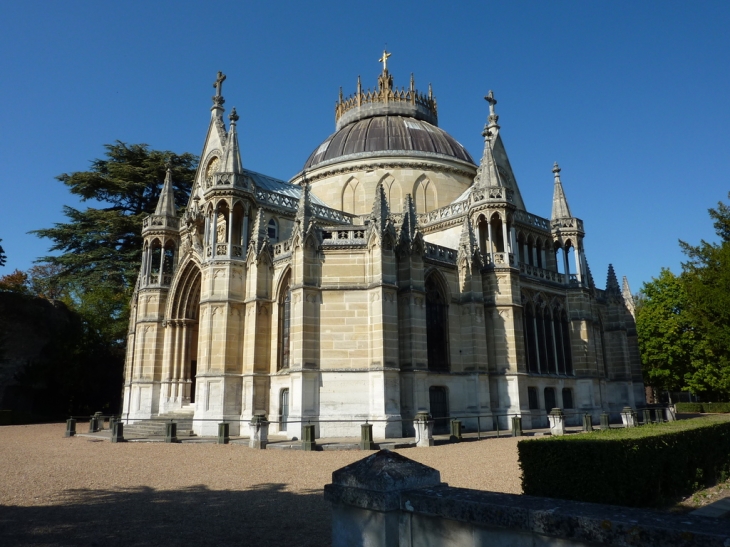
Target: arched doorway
{"x":184,"y":319}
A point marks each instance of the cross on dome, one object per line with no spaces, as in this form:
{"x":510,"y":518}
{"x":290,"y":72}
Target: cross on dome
{"x":384,"y":60}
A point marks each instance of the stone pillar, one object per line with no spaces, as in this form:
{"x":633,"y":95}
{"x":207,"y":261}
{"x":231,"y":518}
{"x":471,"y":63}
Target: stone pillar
{"x":557,"y":422}
{"x":365,"y":498}
{"x":578,"y":269}
{"x":505,"y":237}
{"x":230,"y":231}
{"x":514,"y":246}
{"x":628,"y":417}
{"x":491,"y":246}
{"x":258,"y":430}
{"x":424,"y":430}
{"x":566,"y":265}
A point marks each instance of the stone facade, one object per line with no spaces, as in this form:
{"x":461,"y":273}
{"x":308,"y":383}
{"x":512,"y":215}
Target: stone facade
{"x":392,"y":275}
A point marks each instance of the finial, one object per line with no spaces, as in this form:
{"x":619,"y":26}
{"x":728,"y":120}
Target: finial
{"x":556,"y":170}
{"x":384,"y":60}
{"x":233,"y":116}
{"x":359,"y":85}
{"x":430,"y":91}
{"x":413,"y":83}
{"x":340,"y":93}
{"x":489,"y":97}
{"x":486,"y":133}
{"x":218,"y":85}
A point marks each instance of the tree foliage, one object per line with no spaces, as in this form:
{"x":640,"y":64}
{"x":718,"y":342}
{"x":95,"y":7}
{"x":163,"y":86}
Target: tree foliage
{"x":16,"y":282}
{"x":665,"y":334}
{"x":683,"y":322}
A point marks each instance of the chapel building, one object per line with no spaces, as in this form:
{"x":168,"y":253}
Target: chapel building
{"x":391,"y":275}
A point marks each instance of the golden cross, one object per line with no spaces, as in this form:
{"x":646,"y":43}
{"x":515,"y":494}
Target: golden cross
{"x":384,"y":60}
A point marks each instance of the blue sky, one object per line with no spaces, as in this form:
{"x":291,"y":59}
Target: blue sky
{"x":631,"y":98}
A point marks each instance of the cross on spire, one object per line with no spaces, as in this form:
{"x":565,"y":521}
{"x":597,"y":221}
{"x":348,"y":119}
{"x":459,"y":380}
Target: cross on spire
{"x":489,"y":97}
{"x":384,"y":60}
{"x":218,"y":84}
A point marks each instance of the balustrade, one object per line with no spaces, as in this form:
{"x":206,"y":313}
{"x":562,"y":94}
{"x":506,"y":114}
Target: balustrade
{"x":534,"y":271}
{"x":437,"y":252}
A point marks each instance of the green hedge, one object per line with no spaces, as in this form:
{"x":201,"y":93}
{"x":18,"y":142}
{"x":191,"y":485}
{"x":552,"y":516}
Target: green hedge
{"x":639,"y":466}
{"x":683,"y":408}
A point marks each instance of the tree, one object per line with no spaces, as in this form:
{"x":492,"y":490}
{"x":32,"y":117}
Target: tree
{"x":16,"y":282}
{"x":707,"y":285}
{"x":667,"y":339}
{"x":101,"y":247}
{"x":44,"y":280}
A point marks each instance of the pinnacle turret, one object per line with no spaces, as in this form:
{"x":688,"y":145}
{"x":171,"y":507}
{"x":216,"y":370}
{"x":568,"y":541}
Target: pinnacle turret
{"x":231,"y":162}
{"x":304,"y":208}
{"x":166,"y":203}
{"x":487,"y":174}
{"x":467,"y":241}
{"x":560,"y":202}
{"x":380,"y":211}
{"x":612,"y":285}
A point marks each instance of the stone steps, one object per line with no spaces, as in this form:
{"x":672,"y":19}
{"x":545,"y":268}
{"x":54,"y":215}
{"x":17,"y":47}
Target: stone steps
{"x":157,"y":426}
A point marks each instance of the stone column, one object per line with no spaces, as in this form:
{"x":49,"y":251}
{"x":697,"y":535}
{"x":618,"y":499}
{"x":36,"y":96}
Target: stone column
{"x":491,"y":246}
{"x":258,"y":430}
{"x":578,"y":272}
{"x":566,"y":265}
{"x":505,"y":238}
{"x":514,"y":246}
{"x":230,"y":232}
{"x":556,"y":417}
{"x":424,"y":430}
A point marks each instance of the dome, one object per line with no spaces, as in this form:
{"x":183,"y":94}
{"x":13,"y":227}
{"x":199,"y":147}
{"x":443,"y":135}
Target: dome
{"x":386,"y":133}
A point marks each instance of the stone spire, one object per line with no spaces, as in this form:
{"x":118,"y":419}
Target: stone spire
{"x":487,"y":174}
{"x":410,"y":219}
{"x":628,"y":297}
{"x":467,"y":242}
{"x":380,"y":212}
{"x":166,"y":204}
{"x":560,"y":203}
{"x":259,"y":237}
{"x":232,"y":155}
{"x":304,"y":209}
{"x":612,"y":282}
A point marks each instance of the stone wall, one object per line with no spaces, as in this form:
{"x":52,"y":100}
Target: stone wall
{"x":387,"y":500}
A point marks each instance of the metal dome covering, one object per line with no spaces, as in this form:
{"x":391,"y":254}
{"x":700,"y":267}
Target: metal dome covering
{"x":379,"y":134}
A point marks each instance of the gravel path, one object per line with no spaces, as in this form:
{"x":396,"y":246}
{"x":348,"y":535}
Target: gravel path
{"x":56,"y":491}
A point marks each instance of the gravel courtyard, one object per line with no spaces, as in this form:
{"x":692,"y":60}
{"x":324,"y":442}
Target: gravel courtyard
{"x":79,"y":491}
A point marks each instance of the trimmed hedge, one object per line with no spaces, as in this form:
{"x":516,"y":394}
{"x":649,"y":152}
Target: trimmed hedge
{"x":703,"y":407}
{"x":638,"y":466}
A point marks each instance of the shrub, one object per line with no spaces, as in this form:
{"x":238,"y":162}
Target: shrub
{"x":640,"y":466}
{"x":703,"y":407}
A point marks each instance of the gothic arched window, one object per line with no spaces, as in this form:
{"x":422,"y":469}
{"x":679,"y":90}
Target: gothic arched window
{"x":284,"y":324}
{"x":273,"y":231}
{"x":437,"y":326}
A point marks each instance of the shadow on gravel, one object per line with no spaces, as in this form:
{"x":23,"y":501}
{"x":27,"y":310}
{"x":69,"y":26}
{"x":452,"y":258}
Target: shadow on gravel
{"x":266,"y":515}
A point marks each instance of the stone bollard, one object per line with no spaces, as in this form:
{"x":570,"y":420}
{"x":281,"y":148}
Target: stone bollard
{"x":587,"y":422}
{"x":424,"y":429}
{"x":366,"y":501}
{"x":93,"y":424}
{"x":223,"y":433}
{"x":171,"y":432}
{"x":308,"y":441}
{"x":258,"y":430}
{"x":99,"y":420}
{"x":557,"y":422}
{"x":366,"y":437}
{"x":118,"y":431}
{"x":70,"y":427}
{"x":517,"y":426}
{"x":455,"y":431}
{"x":605,"y":420}
{"x":627,"y":416}
{"x":646,"y":415}
{"x":669,"y":413}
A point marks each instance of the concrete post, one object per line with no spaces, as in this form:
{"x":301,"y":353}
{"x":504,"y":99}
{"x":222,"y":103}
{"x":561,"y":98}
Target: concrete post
{"x":366,"y":437}
{"x":118,"y":432}
{"x":365,"y":498}
{"x":424,"y":430}
{"x":223,"y":433}
{"x":646,"y":416}
{"x":605,"y":420}
{"x":517,"y":426}
{"x":557,"y":422}
{"x":258,"y":430}
{"x":308,"y":441}
{"x":587,"y":422}
{"x":627,"y":416}
{"x":70,"y":427}
{"x":170,"y":432}
{"x":455,"y":431}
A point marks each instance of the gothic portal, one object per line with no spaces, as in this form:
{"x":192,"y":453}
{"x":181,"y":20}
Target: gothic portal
{"x":392,"y":274}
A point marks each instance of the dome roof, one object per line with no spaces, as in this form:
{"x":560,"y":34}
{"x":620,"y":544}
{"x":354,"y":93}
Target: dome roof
{"x":384,"y":133}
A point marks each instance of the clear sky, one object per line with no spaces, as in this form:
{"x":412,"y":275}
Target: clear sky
{"x":631,"y":98}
